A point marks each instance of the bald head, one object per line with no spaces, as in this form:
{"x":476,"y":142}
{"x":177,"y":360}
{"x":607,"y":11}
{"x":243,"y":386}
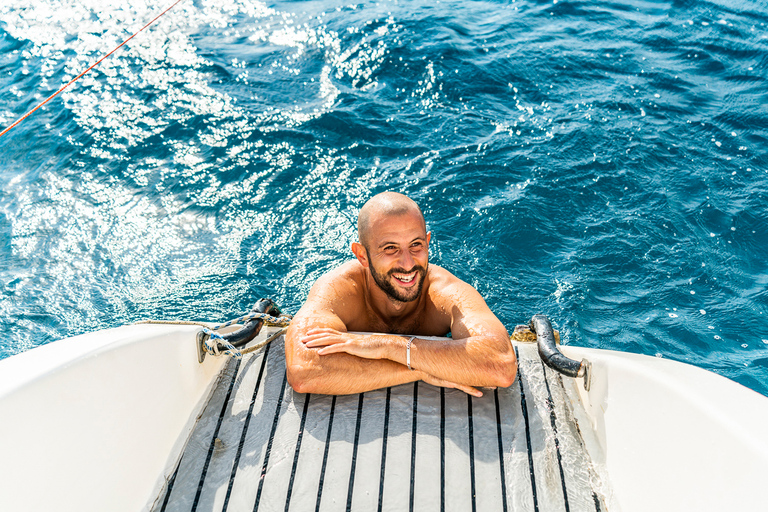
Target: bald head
{"x":386,"y":204}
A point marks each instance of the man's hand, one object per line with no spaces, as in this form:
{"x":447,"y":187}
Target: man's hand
{"x":373,"y":346}
{"x":367,"y":346}
{"x":332,"y":341}
{"x":431,"y":379}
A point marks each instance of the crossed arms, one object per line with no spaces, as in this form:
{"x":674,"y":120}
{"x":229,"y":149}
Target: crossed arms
{"x":323,"y":357}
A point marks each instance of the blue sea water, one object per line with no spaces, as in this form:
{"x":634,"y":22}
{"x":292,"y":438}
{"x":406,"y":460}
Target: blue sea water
{"x":602,"y":162}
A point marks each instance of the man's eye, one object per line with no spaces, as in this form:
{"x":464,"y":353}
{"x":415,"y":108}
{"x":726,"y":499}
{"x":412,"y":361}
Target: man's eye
{"x":390,"y":248}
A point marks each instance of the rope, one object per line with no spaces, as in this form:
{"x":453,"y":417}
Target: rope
{"x":84,"y":72}
{"x":276,"y":321}
{"x":211,"y":344}
{"x":213,"y":340}
{"x":264,"y":343}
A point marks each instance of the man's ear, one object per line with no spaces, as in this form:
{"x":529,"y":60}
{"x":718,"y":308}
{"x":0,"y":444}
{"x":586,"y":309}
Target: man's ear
{"x":429,"y":236}
{"x":360,"y":253}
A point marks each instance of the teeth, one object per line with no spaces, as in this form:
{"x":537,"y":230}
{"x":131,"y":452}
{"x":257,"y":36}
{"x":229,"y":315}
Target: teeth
{"x":405,"y":278}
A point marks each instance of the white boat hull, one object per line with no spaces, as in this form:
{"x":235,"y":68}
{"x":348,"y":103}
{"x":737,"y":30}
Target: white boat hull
{"x":673,"y":436}
{"x":93,"y":422}
{"x":99,"y":422}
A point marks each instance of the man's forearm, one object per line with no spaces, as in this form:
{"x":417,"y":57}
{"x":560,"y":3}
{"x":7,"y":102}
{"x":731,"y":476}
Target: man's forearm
{"x":476,"y":361}
{"x":343,"y":374}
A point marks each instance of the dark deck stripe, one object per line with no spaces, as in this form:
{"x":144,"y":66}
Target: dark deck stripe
{"x":384,"y":448}
{"x":214,"y":437}
{"x":170,"y":487}
{"x":325,"y":454}
{"x":470,"y":425}
{"x":269,"y":443}
{"x":552,"y":418}
{"x":501,"y":452}
{"x":354,"y":452}
{"x":598,"y":508}
{"x":245,"y":429}
{"x":595,"y":498}
{"x":442,"y":449}
{"x":524,"y":407}
{"x":413,"y":442}
{"x":296,"y":453}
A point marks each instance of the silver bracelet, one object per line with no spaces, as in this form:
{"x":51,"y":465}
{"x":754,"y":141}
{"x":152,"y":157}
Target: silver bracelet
{"x":408,"y":352}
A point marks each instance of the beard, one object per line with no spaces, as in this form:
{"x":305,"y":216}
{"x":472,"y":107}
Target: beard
{"x":384,"y":281}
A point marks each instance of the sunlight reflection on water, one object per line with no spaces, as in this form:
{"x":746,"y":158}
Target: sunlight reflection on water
{"x":223,"y":153}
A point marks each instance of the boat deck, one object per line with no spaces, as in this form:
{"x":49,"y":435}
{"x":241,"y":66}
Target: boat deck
{"x":261,"y":446}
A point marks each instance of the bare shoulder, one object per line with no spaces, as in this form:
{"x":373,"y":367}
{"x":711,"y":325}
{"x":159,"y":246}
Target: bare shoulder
{"x":336,"y":292}
{"x":470,"y":315}
{"x":444,"y":286}
{"x":341,"y":281}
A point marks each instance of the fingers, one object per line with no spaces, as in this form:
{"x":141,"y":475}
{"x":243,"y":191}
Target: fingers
{"x":470,"y":390}
{"x":467,"y":389}
{"x":320,"y":342}
{"x":321,"y":337}
{"x":430,"y":379}
{"x":331,"y":349}
{"x":328,"y":341}
{"x":322,"y":330}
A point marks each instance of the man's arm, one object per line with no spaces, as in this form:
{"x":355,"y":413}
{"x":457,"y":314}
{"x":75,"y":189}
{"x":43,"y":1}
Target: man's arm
{"x":335,"y":374}
{"x":340,"y":373}
{"x":479,"y":354}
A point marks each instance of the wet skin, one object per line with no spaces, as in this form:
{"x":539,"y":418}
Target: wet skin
{"x":391,"y":288}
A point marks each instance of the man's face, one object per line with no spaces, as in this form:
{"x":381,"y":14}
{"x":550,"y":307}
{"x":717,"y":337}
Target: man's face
{"x":399,"y":256}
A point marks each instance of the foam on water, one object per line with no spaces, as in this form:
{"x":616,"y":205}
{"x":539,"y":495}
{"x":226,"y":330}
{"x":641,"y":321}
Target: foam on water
{"x":603,"y":163}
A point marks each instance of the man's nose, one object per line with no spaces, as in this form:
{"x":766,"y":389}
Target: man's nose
{"x":406,"y":260}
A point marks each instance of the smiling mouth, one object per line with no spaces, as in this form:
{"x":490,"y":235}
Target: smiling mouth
{"x":405,"y":278}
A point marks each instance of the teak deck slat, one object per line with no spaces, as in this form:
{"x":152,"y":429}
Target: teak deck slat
{"x":261,"y":446}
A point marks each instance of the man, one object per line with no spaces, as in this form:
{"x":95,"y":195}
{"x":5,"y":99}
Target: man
{"x":391,"y":288}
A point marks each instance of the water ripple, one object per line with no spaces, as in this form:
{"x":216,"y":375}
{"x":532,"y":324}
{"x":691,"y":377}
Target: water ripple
{"x":603,"y":163}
